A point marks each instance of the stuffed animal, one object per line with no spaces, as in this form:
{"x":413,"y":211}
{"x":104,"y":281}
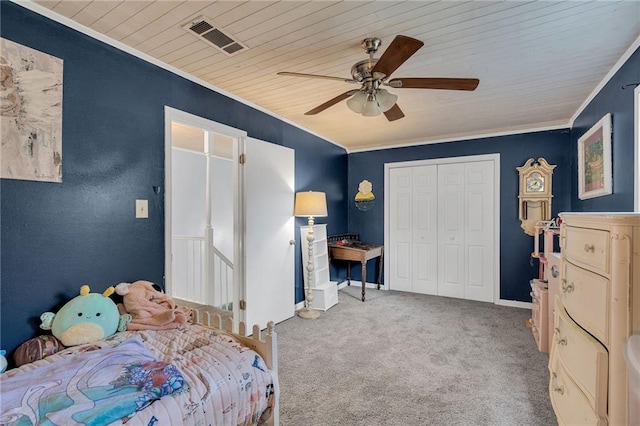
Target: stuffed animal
{"x":3,"y":361}
{"x":37,"y":348}
{"x":151,"y":309}
{"x":85,"y":318}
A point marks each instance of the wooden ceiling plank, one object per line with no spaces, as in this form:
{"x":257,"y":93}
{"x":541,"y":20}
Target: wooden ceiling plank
{"x":70,"y":8}
{"x":129,"y":26}
{"x":94,"y":11}
{"x":118,"y":15}
{"x":155,"y":33}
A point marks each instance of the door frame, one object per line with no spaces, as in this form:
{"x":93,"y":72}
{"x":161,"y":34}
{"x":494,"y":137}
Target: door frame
{"x":174,"y":115}
{"x":450,"y":160}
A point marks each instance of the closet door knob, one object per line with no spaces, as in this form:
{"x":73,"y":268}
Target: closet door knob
{"x":292,"y":242}
{"x":554,"y":271}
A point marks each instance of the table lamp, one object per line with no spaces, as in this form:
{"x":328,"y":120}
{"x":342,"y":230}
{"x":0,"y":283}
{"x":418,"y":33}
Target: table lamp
{"x":310,"y":204}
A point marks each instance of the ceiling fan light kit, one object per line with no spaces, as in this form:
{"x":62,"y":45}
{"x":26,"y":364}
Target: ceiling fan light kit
{"x":372,"y":100}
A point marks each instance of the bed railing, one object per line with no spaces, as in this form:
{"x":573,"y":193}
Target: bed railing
{"x":189,"y":273}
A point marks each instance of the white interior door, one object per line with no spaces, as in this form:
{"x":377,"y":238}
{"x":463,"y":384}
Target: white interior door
{"x":425,"y":229}
{"x":269,"y":228}
{"x":401,"y":230}
{"x":479,"y":230}
{"x":413,"y":223}
{"x":452,"y":268}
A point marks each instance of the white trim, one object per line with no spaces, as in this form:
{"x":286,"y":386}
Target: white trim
{"x":451,"y":160}
{"x":636,"y":191}
{"x":514,"y":304}
{"x":41,"y":10}
{"x":624,"y":58}
{"x":463,"y":138}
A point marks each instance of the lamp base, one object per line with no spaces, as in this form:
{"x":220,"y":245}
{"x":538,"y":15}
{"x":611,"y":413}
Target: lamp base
{"x":307,"y":313}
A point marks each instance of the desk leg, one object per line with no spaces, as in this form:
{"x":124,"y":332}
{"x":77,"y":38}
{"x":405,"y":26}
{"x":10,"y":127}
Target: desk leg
{"x":380,"y":270}
{"x":348,"y":272}
{"x":364,"y":277}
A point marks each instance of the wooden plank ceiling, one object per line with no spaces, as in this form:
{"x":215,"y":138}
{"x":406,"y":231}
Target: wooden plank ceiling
{"x":537,"y":61}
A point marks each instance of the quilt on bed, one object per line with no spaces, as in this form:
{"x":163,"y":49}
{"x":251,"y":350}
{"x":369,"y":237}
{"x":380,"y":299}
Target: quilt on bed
{"x":202,"y":376}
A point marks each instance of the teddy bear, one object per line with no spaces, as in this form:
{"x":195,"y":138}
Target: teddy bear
{"x":85,"y":318}
{"x":149,"y":308}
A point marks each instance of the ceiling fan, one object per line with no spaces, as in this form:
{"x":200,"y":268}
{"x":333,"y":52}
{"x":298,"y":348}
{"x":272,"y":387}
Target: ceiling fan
{"x":371,"y":99}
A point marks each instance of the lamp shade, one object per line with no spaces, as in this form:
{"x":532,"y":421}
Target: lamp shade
{"x":371,"y":108}
{"x":386,"y":100}
{"x":356,"y":103}
{"x":310,"y":204}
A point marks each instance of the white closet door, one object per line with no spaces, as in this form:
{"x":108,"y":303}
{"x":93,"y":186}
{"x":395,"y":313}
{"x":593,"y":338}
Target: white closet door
{"x":452,"y":271}
{"x":401,"y":229}
{"x":479,"y":230}
{"x":425,"y":230}
{"x":413,"y":219}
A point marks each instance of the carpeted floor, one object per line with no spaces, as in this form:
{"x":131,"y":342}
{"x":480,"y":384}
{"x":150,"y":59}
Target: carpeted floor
{"x":407,"y":359}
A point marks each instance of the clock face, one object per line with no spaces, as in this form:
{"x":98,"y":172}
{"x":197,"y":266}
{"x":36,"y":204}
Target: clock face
{"x":535,"y":182}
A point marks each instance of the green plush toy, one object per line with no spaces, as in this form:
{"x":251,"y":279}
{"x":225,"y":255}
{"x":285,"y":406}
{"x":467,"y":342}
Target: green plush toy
{"x":85,"y":318}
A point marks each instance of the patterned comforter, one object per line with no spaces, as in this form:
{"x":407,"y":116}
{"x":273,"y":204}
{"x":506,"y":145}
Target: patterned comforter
{"x":195,"y":376}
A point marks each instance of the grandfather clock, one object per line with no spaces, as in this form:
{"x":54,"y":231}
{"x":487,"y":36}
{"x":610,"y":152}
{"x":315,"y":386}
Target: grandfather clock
{"x":534,"y":200}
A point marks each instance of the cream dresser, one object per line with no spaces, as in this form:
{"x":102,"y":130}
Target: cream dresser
{"x":597,"y":309}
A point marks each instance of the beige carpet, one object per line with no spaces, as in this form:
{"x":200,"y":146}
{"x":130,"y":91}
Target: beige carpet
{"x":407,"y":359}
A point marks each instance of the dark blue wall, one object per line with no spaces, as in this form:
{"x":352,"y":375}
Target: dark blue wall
{"x":619,"y":102}
{"x":56,"y":237}
{"x":515,"y":245}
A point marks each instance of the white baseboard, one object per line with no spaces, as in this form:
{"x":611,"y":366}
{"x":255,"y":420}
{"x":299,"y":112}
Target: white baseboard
{"x":500,"y":302}
{"x":514,"y":303}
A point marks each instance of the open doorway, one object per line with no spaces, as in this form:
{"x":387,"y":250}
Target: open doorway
{"x":229,"y":224}
{"x":203,"y":262}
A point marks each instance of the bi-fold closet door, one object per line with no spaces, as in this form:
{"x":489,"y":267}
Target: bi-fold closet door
{"x":441,"y":229}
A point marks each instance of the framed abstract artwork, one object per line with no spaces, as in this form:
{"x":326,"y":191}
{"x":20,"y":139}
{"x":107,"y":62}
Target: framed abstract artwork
{"x":594,"y":160}
{"x":30,"y":114}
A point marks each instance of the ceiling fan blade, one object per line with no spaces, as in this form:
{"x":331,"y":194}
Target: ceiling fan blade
{"x":435,"y":83}
{"x":400,"y":49}
{"x":331,"y":102}
{"x":395,"y":113}
{"x":325,"y":77}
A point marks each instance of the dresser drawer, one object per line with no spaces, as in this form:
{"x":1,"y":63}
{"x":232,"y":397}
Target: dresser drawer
{"x":569,"y":403}
{"x":584,"y":360}
{"x":588,"y":247}
{"x":586,"y":296}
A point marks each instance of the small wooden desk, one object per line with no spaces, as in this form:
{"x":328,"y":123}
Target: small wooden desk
{"x":360,"y":252}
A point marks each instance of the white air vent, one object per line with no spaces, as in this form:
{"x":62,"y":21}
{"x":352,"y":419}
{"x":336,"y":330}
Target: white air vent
{"x":207,"y":31}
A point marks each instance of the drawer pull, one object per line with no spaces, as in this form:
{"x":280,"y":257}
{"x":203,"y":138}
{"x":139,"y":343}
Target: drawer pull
{"x":560,"y":340}
{"x":567,"y":288}
{"x":589,"y":248}
{"x":556,"y":388}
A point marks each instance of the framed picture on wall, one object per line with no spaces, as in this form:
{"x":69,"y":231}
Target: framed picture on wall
{"x":594,"y":160}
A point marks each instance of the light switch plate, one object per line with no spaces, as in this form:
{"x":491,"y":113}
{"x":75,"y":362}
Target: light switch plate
{"x":142,"y":209}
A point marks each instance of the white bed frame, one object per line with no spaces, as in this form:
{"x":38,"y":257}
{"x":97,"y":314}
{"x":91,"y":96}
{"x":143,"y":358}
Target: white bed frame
{"x":266,"y":347}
